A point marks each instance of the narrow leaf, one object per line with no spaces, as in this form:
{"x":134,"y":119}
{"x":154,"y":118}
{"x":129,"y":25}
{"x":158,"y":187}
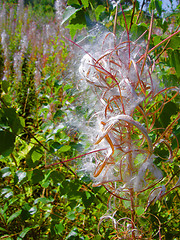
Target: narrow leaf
{"x":23,"y":233}
{"x":13,"y":216}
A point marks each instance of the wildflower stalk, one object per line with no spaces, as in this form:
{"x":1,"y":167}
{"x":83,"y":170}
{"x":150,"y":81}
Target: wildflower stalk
{"x":128,"y":102}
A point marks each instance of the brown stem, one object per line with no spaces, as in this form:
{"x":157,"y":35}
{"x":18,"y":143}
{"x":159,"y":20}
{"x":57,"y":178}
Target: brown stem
{"x":147,"y":46}
{"x":130,"y":168}
{"x":115,"y":20}
{"x":140,"y":12}
{"x":132,"y":212}
{"x":164,"y":49}
{"x":132,"y":16}
{"x":14,"y":159}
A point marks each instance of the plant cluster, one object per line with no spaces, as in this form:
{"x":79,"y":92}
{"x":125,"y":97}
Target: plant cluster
{"x":129,"y":100}
{"x":134,"y":121}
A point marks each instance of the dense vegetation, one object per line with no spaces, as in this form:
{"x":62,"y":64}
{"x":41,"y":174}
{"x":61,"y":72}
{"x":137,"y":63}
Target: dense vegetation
{"x":43,"y":195}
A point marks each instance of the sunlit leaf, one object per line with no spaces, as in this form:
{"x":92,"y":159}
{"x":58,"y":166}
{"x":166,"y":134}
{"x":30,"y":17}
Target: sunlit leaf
{"x":65,"y":148}
{"x":100,"y":9}
{"x":23,"y":233}
{"x":85,"y":3}
{"x":69,"y":12}
{"x":13,"y":216}
{"x":43,"y":200}
{"x":71,"y":215}
{"x":6,"y":192}
{"x":73,"y":233}
{"x":140,"y":210}
{"x":19,"y":176}
{"x":36,"y":154}
{"x":6,"y":171}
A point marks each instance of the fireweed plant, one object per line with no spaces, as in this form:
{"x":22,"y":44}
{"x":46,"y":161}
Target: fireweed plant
{"x":128,"y":100}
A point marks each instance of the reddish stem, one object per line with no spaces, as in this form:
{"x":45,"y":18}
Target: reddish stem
{"x":126,"y":30}
{"x":152,"y":49}
{"x":68,"y":160}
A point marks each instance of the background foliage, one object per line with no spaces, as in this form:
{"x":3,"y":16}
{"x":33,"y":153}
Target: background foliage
{"x":36,"y":95}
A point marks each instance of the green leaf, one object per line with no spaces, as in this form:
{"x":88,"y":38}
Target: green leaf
{"x":151,"y":6}
{"x":13,"y":119}
{"x":71,"y":215}
{"x":33,"y":210}
{"x":7,"y":237}
{"x":33,"y":157}
{"x":174,"y":43}
{"x":157,"y":39}
{"x":7,"y":99}
{"x":69,"y":12}
{"x":25,"y":214}
{"x":175,"y":61}
{"x":88,"y":195}
{"x":97,"y":238}
{"x":158,"y":5}
{"x":126,"y":204}
{"x":2,"y":229}
{"x":56,"y":145}
{"x":138,"y":29}
{"x":45,"y":184}
{"x":71,"y":188}
{"x":169,"y":110}
{"x":19,"y":176}
{"x":59,"y":228}
{"x":43,"y":200}
{"x":79,"y":208}
{"x":4,"y":209}
{"x":6,"y":192}
{"x":7,"y":140}
{"x":56,"y":176}
{"x":37,"y":176}
{"x":78,"y":19}
{"x":73,"y":3}
{"x":58,"y":113}
{"x":77,"y":23}
{"x":23,"y":233}
{"x":85,"y":3}
{"x":140,"y":210}
{"x":5,"y":85}
{"x":13,"y":216}
{"x":100,"y":9}
{"x":65,"y":148}
{"x":5,"y":172}
{"x":22,"y":121}
{"x":73,"y":233}
{"x":87,"y":199}
{"x":36,"y":154}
